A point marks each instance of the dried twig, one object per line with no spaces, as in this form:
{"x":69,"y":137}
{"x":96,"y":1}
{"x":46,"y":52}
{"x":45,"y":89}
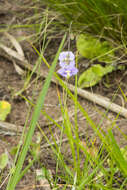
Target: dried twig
{"x":9,"y":129}
{"x":95,"y":98}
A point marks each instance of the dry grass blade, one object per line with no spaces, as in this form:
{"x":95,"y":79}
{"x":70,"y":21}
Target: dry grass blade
{"x":12,"y":53}
{"x":8,"y":128}
{"x":18,"y":69}
{"x":15,"y":44}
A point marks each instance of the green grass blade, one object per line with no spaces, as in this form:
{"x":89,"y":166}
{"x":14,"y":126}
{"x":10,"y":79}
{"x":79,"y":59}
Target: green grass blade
{"x":14,"y":178}
{"x":116,"y":153}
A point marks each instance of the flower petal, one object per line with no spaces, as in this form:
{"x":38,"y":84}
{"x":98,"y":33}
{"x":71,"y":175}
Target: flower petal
{"x":68,"y":72}
{"x":74,"y":71}
{"x":62,"y":72}
{"x":66,"y":55}
{"x":67,"y":64}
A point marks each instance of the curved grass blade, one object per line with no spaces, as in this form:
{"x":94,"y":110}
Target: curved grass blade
{"x":40,"y":102}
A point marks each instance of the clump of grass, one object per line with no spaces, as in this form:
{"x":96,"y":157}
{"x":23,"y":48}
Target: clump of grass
{"x":99,"y":170}
{"x":103,"y":18}
{"x":102,"y":167}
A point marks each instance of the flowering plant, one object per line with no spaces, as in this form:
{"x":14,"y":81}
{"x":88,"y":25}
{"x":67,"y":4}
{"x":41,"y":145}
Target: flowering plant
{"x":67,"y":64}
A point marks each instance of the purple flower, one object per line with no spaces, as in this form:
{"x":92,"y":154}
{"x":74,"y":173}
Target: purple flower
{"x":66,"y":59}
{"x":67,"y":63}
{"x":68,"y":72}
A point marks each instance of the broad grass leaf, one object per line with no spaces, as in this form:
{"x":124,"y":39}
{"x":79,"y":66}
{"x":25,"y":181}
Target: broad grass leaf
{"x":92,"y":48}
{"x":116,"y":153}
{"x":93,"y":75}
{"x":124,"y":152}
{"x":5,"y":109}
{"x":3,"y":160}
